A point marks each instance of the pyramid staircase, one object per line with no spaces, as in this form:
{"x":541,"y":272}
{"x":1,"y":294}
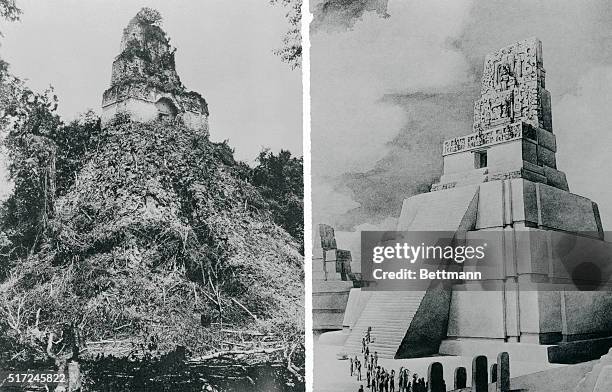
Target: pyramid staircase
{"x":397,"y":330}
{"x":389,"y":313}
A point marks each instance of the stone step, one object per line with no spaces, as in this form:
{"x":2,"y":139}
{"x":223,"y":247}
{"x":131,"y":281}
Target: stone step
{"x":398,"y":316}
{"x":392,"y":345}
{"x":330,"y":286}
{"x":400,"y":308}
{"x":379,"y":334}
{"x":389,"y":314}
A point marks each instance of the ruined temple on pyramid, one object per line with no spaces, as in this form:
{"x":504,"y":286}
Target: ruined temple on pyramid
{"x":144,"y":83}
{"x":501,"y":178}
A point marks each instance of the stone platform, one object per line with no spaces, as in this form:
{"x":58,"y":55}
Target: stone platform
{"x":332,"y":374}
{"x":332,"y":281}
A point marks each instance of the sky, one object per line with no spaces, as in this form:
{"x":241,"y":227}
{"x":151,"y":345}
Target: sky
{"x":391,"y":81}
{"x":224,"y":51}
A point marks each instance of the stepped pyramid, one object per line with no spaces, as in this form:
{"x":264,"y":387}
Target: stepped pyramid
{"x":502,"y":179}
{"x":144,"y":82}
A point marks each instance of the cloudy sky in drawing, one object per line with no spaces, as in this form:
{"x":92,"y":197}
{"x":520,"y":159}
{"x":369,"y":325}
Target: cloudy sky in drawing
{"x":392,"y":79}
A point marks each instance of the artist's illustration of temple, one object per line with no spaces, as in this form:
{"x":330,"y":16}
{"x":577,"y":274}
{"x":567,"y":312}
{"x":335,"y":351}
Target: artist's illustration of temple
{"x":144,"y":82}
{"x":501,"y":178}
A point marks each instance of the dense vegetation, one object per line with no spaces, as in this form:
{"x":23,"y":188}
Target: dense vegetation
{"x":143,"y":227}
{"x":280,"y":180}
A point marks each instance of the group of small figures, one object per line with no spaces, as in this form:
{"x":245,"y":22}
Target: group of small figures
{"x":379,"y":379}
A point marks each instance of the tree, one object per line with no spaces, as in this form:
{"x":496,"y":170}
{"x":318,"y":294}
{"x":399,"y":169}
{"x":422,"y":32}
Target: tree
{"x":43,"y":157}
{"x":291,"y":52}
{"x":9,"y":11}
{"x":74,"y":142}
{"x":280,"y":180}
{"x":28,"y":122}
{"x":27,"y":119}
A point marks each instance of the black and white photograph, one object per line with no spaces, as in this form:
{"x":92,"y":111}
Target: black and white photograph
{"x":479,"y":129}
{"x":305,"y":195}
{"x":151,"y":196}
